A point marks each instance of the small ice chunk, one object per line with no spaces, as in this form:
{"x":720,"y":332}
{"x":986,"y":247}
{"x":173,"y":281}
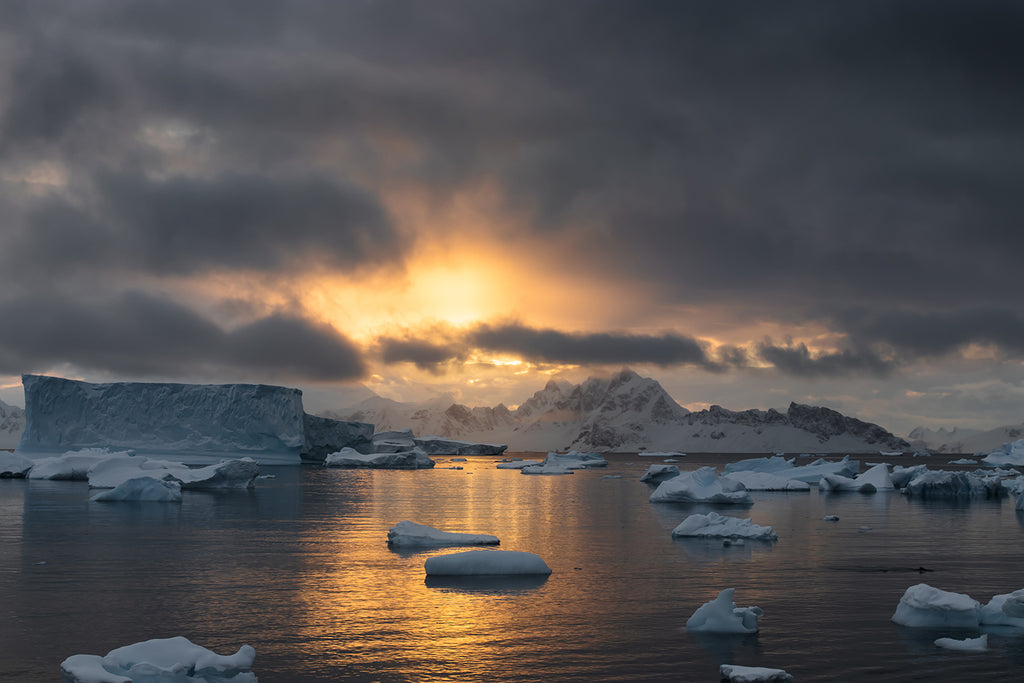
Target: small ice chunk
{"x":875,"y":479}
{"x":142,"y":489}
{"x":73,"y":465}
{"x":831,"y":518}
{"x":714,"y":525}
{"x":411,"y":459}
{"x":1004,"y":610}
{"x":733,"y":673}
{"x":979,"y":644}
{"x":486,"y":563}
{"x":963,"y":461}
{"x":721,"y":615}
{"x":701,"y":486}
{"x":88,"y":669}
{"x":661,"y":454}
{"x":923,"y":606}
{"x":411,"y":535}
{"x":659,"y":473}
{"x":516,"y":464}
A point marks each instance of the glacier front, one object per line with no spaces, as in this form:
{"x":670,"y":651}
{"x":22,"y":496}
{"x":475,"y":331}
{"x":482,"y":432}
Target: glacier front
{"x":194,"y":423}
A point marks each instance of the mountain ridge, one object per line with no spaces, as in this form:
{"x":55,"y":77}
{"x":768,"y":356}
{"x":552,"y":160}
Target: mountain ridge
{"x":627,"y":413}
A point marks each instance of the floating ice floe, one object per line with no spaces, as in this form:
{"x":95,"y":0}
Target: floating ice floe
{"x":1010,"y":455}
{"x":979,"y":644}
{"x":412,"y":459}
{"x":564,"y":463}
{"x":661,"y":454}
{"x":142,"y":489}
{"x":517,"y":464}
{"x":830,"y":518}
{"x":963,"y":461}
{"x":901,"y":476}
{"x":701,"y":486}
{"x":766,"y":481}
{"x":113,"y":471}
{"x":813,"y":472}
{"x":923,"y":606}
{"x":437,"y":445}
{"x":13,"y":466}
{"x":952,"y":485}
{"x":714,"y":525}
{"x":486,"y":563}
{"x":873,"y":480}
{"x":659,"y":473}
{"x":733,"y":673}
{"x":161,"y":660}
{"x":412,"y":535}
{"x":773,"y":465}
{"x":721,"y":615}
{"x":1004,"y":610}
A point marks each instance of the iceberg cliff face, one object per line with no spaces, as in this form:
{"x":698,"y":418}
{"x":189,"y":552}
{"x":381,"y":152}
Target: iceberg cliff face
{"x":196,"y":423}
{"x":12,"y":423}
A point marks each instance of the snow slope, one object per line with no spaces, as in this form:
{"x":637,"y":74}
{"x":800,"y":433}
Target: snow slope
{"x":12,"y":424}
{"x":628,"y":413}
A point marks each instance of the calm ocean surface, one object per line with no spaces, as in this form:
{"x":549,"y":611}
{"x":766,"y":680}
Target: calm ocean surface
{"x":299,"y":569}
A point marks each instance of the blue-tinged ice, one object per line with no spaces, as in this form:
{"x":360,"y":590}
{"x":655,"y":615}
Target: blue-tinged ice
{"x":162,"y":660}
{"x":701,"y":486}
{"x":148,"y":489}
{"x":721,"y":615}
{"x":408,"y":534}
{"x":486,"y":563}
{"x":924,"y":606}
{"x":714,"y":525}
{"x":733,"y":673}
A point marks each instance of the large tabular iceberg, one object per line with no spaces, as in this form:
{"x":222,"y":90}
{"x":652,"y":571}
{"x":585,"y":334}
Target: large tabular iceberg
{"x":721,"y":615}
{"x":714,"y":525}
{"x":486,"y":563}
{"x":701,"y":486}
{"x":193,"y":423}
{"x":162,"y":660}
{"x":412,"y":535}
{"x":923,"y":606}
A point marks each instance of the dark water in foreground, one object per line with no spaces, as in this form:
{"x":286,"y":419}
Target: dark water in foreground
{"x":299,"y":569}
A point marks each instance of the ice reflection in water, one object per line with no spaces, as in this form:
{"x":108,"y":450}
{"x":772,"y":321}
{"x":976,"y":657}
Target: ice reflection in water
{"x":300,"y":569}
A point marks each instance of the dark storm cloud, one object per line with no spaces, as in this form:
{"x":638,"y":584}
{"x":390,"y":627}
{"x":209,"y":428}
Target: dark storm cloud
{"x":426,"y":355}
{"x":915,"y":334}
{"x":791,"y":156}
{"x":796,"y":360}
{"x":184,"y":225}
{"x":141,"y":334}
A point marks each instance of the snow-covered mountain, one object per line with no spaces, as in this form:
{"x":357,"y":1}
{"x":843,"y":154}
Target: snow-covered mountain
{"x":627,"y":413}
{"x":12,"y":424}
{"x":958,"y":440}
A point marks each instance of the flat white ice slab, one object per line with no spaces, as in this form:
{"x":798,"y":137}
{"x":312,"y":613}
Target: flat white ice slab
{"x":714,"y":525}
{"x":979,"y":644}
{"x":701,"y":486}
{"x":412,"y":535}
{"x":486,"y":563}
{"x":142,"y":489}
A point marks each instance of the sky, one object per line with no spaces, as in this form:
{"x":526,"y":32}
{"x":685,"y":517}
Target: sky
{"x":751,"y":202}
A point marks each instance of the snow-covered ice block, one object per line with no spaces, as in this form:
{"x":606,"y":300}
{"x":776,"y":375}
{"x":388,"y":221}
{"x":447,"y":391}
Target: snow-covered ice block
{"x":195,"y":423}
{"x":873,"y":480}
{"x":659,"y":473}
{"x":576,"y":460}
{"x":142,"y":489}
{"x":714,"y":525}
{"x":414,"y":459}
{"x":1004,"y":610}
{"x":721,"y":615}
{"x":813,"y":472}
{"x":1010,"y":455}
{"x":411,"y":535}
{"x":733,"y":673}
{"x":237,"y":473}
{"x":923,"y":606}
{"x":486,"y":563}
{"x":162,"y":660}
{"x":979,"y":644}
{"x":73,"y":465}
{"x":772,"y":465}
{"x":13,"y":466}
{"x":901,"y":475}
{"x":766,"y":481}
{"x":701,"y":486}
{"x":963,"y":461}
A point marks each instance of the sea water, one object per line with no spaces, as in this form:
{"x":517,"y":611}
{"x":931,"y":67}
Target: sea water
{"x":299,"y":568}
